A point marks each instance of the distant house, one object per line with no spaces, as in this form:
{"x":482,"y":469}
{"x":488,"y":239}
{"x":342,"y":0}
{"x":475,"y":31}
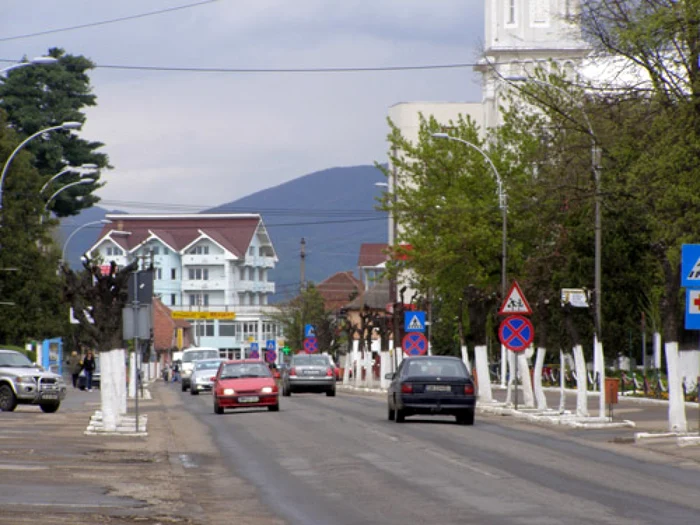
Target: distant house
{"x":372,"y":262}
{"x":339,"y":289}
{"x":168,"y":333}
{"x":205,"y":265}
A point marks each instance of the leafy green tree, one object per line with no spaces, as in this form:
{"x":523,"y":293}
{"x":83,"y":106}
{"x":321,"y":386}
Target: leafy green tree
{"x":38,"y":97}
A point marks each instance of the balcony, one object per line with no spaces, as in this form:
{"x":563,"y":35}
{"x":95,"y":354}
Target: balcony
{"x":263,"y":287}
{"x":203,"y":260}
{"x":199,"y":284}
{"x":254,"y":286}
{"x":260,"y":262}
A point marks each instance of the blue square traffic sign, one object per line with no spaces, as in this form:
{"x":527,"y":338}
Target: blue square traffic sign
{"x":414,"y":321}
{"x":690,"y":266}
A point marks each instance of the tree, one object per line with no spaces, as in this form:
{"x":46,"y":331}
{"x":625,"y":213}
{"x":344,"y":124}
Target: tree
{"x":102,"y":297}
{"x":38,"y":97}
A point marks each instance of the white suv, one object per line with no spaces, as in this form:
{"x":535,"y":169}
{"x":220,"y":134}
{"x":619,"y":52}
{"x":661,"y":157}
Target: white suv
{"x":191,"y":355}
{"x":25,"y":383}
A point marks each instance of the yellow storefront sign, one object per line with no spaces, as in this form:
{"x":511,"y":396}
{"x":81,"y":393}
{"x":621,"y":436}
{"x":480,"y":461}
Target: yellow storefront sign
{"x":183,"y":314}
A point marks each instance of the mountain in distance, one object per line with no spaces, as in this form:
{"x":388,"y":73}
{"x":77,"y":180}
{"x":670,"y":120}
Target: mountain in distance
{"x":333,"y":210}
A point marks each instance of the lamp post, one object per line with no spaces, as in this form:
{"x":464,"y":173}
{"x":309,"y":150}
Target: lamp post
{"x":43,"y":60}
{"x":6,"y":167}
{"x":71,"y":169}
{"x":598,"y":241}
{"x":72,"y":234}
{"x":62,"y":188}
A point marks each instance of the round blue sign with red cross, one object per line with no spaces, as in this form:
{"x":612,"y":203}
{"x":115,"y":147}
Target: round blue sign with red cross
{"x":414,"y":343}
{"x":311,"y":345}
{"x":516,"y":333}
{"x":270,"y":356}
{"x":254,"y":354}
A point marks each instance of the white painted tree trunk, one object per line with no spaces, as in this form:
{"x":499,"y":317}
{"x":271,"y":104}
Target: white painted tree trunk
{"x":510,"y":357}
{"x":657,"y":350}
{"x":539,"y":393}
{"x":600,"y":370}
{"x":120,"y":366}
{"x":524,"y":372}
{"x":346,"y":368}
{"x":581,"y":382}
{"x":465,"y":357}
{"x":562,"y":381}
{"x":676,"y":402}
{"x":108,"y":394}
{"x":369,"y":367}
{"x":357,"y":365}
{"x":504,"y":365}
{"x":481,"y":360}
{"x":132,"y":375}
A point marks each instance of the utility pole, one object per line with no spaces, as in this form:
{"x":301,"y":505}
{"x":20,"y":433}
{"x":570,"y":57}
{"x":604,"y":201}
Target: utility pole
{"x":302,"y":277}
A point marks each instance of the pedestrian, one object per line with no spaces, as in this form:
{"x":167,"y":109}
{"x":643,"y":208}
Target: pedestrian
{"x":89,"y":368}
{"x":74,"y":367}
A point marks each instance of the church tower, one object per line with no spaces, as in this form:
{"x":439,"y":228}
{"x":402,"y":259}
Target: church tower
{"x":521,"y":35}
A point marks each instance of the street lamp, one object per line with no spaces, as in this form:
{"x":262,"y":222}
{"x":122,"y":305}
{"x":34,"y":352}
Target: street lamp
{"x":70,"y":185}
{"x":72,"y":169}
{"x":72,"y":234}
{"x":44,"y":60}
{"x":598,"y":242}
{"x":65,"y":125}
{"x":502,"y":203}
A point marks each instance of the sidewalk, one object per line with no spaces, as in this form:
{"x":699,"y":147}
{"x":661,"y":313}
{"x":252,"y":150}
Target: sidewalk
{"x":53,"y":472}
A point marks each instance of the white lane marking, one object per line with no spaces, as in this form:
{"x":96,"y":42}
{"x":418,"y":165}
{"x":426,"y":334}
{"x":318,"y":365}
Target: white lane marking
{"x":187,"y":461}
{"x":461,"y":463}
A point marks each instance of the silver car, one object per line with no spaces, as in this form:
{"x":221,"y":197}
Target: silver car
{"x":202,"y":372}
{"x":25,"y":383}
{"x":309,"y":373}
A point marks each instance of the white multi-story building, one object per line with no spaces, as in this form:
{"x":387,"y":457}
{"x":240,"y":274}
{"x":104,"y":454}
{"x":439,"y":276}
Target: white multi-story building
{"x":203,"y":263}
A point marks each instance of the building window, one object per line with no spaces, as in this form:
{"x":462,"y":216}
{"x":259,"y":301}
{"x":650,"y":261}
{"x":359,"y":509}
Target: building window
{"x":227,"y":329}
{"x":155,"y":250}
{"x":159,"y":273}
{"x":173,"y":298}
{"x":510,"y":12}
{"x":251,"y":274}
{"x":200,"y":250}
{"x":199,"y":274}
{"x":241,"y":273}
{"x":205,"y":328}
{"x":173,"y":274}
{"x":251,"y":250}
{"x":166,"y":251}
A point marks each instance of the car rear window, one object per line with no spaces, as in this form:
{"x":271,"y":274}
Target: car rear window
{"x":197,"y":355}
{"x":310,"y":360}
{"x":207,"y":365}
{"x":436,"y":368}
{"x":240,"y":370}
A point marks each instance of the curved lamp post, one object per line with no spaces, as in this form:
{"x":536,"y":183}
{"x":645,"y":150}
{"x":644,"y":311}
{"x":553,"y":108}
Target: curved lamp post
{"x":44,"y":60}
{"x":6,"y":167}
{"x":598,"y":242}
{"x":71,"y":169}
{"x":72,"y":234}
{"x":70,"y":185}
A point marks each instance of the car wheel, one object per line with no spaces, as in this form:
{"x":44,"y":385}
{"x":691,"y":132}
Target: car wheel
{"x":466,"y":417}
{"x":391,"y":414}
{"x":286,"y":392}
{"x":194,"y":391}
{"x":274,"y":408}
{"x":217,"y":408}
{"x":50,"y":408}
{"x":330,"y":393}
{"x":8,"y":400}
{"x":400,"y":416}
{"x":183,"y":387}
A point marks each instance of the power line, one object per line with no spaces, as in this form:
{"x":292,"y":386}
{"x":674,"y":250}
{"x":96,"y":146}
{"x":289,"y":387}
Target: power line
{"x":105,"y":22}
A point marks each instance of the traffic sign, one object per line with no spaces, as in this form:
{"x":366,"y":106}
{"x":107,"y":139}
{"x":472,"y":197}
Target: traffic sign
{"x":414,"y":322}
{"x":516,"y":333}
{"x":690,"y":265}
{"x":254,"y":354}
{"x":692,"y":309}
{"x":515,"y":302}
{"x":311,"y":345}
{"x":270,"y":356}
{"x":271,"y":344}
{"x":414,"y":343}
{"x":309,"y":330}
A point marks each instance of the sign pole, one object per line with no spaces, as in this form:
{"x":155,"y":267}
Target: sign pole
{"x":515,"y":381}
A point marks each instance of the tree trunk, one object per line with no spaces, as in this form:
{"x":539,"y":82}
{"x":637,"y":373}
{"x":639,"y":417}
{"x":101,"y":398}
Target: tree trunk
{"x":482,"y":372}
{"x":539,"y":393}
{"x":581,"y":382}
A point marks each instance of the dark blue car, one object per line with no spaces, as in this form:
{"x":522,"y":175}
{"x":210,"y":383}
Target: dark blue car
{"x":432,"y":385}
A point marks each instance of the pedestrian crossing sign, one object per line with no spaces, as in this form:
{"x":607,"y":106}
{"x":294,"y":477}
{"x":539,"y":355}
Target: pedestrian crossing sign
{"x":690,"y":265}
{"x":414,"y":321}
{"x":515,"y":302}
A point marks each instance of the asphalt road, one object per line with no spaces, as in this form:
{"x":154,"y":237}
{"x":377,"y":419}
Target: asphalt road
{"x":340,"y":461}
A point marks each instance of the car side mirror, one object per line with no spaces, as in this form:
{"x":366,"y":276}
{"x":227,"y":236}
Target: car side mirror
{"x":213,"y":378}
{"x":389,"y":376}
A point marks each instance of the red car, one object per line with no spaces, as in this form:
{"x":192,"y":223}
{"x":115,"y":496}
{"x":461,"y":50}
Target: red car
{"x":245,"y":383}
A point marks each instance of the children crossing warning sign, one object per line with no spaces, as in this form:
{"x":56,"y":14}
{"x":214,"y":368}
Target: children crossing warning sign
{"x":515,"y":302}
{"x":414,"y":322}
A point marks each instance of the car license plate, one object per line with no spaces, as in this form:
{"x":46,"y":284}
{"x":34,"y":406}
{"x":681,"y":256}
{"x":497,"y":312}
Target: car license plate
{"x":49,"y":395}
{"x":313,"y":372}
{"x":438,"y":388}
{"x":249,"y":399}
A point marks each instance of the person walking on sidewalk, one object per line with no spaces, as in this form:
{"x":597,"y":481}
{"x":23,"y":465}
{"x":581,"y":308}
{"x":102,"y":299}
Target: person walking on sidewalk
{"x":74,"y":367}
{"x":89,"y":368}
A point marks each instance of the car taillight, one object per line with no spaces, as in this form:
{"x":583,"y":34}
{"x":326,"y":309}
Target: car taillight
{"x":292,"y":371}
{"x":329,"y":372}
{"x":406,"y":388}
{"x":469,"y":389}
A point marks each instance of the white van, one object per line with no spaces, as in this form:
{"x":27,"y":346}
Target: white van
{"x":189,"y":356}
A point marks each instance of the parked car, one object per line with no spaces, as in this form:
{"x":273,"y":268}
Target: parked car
{"x":25,"y":383}
{"x":189,"y":356}
{"x":201,"y":379}
{"x":309,"y":373}
{"x":243,"y":384}
{"x":431,"y":385}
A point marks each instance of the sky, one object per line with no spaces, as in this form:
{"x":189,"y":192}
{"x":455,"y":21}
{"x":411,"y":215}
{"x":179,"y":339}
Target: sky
{"x":182,"y":141}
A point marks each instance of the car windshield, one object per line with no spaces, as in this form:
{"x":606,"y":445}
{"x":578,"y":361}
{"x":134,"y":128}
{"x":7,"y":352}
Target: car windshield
{"x":239,"y":370}
{"x":310,"y":360}
{"x":207,"y":365}
{"x":435,"y":368}
{"x":15,"y":360}
{"x":197,"y":355}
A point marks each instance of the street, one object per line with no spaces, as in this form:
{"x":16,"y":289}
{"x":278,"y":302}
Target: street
{"x":339,"y":461}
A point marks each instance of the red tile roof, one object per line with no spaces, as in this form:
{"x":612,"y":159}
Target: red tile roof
{"x":372,"y":254}
{"x":339,"y":289}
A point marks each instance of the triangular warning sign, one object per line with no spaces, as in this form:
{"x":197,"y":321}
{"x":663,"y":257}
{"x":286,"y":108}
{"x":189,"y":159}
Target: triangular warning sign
{"x":694,"y":274}
{"x":515,"y":302}
{"x":415,"y":324}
